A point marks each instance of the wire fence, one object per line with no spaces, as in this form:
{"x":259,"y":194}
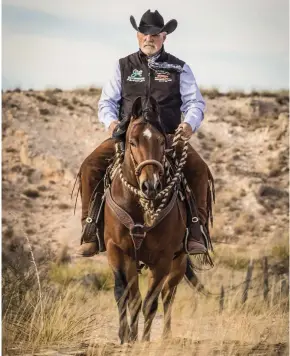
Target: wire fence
{"x":279,"y":287}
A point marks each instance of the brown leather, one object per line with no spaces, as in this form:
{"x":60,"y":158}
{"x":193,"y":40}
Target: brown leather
{"x":94,"y":167}
{"x":195,"y":247}
{"x":137,"y":231}
{"x":196,"y":173}
{"x":87,"y":249}
{"x":93,"y":170}
{"x":127,"y":220}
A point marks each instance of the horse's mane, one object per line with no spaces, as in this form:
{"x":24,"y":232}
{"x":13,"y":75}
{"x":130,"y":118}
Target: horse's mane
{"x":146,"y":108}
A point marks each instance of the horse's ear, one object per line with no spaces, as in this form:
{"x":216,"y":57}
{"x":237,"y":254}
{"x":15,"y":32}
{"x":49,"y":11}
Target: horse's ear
{"x":154,"y":104}
{"x":137,"y":107}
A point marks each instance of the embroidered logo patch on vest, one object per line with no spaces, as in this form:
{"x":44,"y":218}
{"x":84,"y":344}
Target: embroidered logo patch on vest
{"x":136,"y":76}
{"x":162,"y":76}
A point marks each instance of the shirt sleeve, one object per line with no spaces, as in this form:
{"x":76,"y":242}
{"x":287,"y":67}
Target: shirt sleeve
{"x":109,"y":103}
{"x":193,"y":104}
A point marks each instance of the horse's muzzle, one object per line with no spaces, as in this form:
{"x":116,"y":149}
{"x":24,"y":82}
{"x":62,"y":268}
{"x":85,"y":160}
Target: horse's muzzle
{"x":150,"y":188}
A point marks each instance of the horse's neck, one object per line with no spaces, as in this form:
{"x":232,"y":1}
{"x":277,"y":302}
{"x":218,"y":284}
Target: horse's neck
{"x":122,"y":195}
{"x":129,"y":170}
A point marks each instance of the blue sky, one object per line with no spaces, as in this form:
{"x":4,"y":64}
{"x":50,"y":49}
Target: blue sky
{"x":229,"y":44}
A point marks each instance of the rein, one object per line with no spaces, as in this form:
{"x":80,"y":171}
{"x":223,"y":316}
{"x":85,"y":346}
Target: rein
{"x":138,"y":231}
{"x":172,"y":182}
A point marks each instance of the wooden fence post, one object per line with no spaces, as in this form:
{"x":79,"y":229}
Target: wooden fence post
{"x":284,"y":290}
{"x":222,"y":299}
{"x":266,"y":278}
{"x":247,"y":281}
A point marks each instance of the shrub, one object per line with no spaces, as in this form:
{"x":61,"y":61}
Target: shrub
{"x":44,"y":111}
{"x":87,"y":274}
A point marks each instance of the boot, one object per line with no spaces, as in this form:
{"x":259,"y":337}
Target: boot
{"x":195,"y":242}
{"x":89,"y":244}
{"x":92,"y":232}
{"x":91,"y":174}
{"x":87,"y":249}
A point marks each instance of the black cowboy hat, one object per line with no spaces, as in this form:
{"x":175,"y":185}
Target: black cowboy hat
{"x":152,"y":23}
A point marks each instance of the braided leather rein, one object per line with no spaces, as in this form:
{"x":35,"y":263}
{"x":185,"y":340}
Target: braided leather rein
{"x":148,"y":205}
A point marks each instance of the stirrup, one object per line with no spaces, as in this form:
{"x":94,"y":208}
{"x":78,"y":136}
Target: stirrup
{"x":89,"y":233}
{"x":93,"y":230}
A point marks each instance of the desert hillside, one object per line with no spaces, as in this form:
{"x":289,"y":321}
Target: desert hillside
{"x":244,"y":139}
{"x":47,"y":135}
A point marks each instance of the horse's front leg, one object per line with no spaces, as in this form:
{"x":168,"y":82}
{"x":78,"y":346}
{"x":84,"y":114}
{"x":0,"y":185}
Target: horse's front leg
{"x":121,"y":290}
{"x":157,"y":277}
{"x":135,"y":301}
{"x":168,"y":292}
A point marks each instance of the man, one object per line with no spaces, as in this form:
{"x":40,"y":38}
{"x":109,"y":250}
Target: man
{"x":170,"y":81}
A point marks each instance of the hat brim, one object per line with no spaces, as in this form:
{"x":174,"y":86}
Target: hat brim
{"x":169,"y":27}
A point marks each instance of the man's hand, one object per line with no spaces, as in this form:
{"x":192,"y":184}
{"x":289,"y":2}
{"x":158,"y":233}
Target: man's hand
{"x":187,"y":130}
{"x":112,"y":126}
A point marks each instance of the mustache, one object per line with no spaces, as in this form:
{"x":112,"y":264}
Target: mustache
{"x":149,"y":44}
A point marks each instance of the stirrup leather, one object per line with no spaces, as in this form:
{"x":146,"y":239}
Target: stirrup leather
{"x":93,"y":230}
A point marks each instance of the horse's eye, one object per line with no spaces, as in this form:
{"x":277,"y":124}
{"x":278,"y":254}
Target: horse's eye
{"x":133,"y":143}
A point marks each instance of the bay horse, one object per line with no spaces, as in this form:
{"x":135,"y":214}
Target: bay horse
{"x":129,"y":234}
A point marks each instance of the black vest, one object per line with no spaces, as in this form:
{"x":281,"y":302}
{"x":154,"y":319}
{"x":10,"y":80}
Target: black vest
{"x":164,"y":85}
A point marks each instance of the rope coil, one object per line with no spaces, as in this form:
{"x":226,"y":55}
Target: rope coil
{"x":148,"y":205}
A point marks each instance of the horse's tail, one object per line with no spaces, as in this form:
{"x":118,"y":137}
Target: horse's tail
{"x":192,"y":279}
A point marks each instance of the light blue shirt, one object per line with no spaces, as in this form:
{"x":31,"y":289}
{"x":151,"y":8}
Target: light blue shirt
{"x":192,"y":107}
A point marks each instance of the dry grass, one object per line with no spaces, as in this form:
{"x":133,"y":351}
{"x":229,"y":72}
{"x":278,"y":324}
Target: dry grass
{"x":83,"y":318}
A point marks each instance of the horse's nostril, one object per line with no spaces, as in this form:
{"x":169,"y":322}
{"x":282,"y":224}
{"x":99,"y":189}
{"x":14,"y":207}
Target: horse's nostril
{"x":145,"y":187}
{"x":158,"y":187}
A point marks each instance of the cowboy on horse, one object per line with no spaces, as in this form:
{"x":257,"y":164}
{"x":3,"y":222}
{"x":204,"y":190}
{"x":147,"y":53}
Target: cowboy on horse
{"x":150,"y":72}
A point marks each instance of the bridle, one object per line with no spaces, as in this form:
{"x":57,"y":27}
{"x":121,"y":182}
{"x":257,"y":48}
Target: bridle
{"x":152,"y":162}
{"x":148,"y":162}
{"x":171,"y":181}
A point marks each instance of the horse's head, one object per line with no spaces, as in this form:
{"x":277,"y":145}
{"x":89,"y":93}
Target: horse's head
{"x":145,"y":142}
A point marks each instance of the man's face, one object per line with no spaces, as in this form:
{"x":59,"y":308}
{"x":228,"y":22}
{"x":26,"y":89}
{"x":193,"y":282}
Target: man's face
{"x":151,"y":44}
